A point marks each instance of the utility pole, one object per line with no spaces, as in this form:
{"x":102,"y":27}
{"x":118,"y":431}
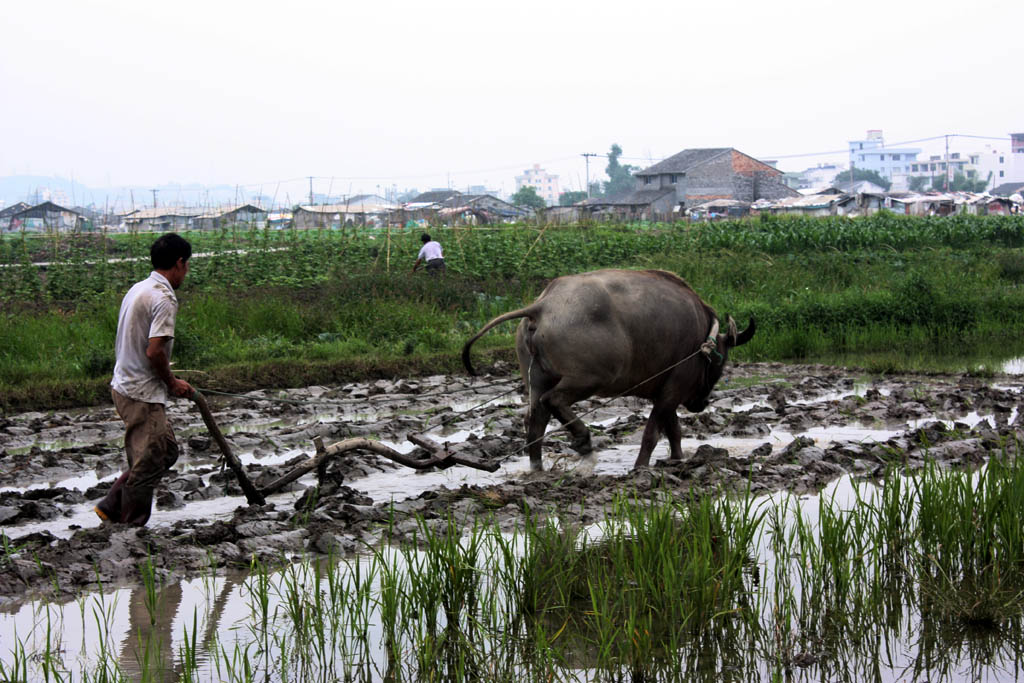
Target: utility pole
{"x":586,"y":156}
{"x":311,"y":190}
{"x":851,"y":169}
{"x":946,"y":186}
{"x":154,"y":191}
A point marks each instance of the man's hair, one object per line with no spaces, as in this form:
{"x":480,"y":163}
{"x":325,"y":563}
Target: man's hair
{"x":425,"y":237}
{"x":167,"y":249}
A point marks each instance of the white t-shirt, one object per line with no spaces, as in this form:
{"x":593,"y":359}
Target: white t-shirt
{"x":430,"y":251}
{"x":147,"y":310}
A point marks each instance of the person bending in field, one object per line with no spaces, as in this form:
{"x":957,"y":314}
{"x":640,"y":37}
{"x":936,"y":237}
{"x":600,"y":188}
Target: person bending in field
{"x":143,"y":381}
{"x":431,"y":253}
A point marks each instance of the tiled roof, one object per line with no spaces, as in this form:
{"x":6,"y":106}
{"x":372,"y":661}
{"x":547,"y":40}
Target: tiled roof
{"x":685,"y":160}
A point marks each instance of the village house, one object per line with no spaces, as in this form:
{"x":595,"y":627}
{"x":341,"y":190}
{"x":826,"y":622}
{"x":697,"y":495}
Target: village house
{"x":364,"y":210}
{"x":367,"y":209}
{"x":247,"y":215}
{"x":692,"y":177}
{"x":1008,"y":189}
{"x":7,"y":213}
{"x":649,"y":205}
{"x":452,"y":207}
{"x":45,"y":217}
{"x":858,"y":187}
{"x":161,"y":218}
{"x":484,"y":208}
{"x":323,"y":216}
{"x":827,"y":202}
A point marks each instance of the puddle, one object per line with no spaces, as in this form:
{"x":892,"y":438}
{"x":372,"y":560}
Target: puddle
{"x":1014,"y":366}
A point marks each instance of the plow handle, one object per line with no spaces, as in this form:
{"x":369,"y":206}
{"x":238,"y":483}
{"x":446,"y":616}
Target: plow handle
{"x":252,"y":494}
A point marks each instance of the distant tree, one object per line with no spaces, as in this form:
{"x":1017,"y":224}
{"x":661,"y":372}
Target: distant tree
{"x":917,"y":183}
{"x":527,"y":196}
{"x":962,"y":183}
{"x":570,"y":198}
{"x":864,"y":174}
{"x":620,"y":176}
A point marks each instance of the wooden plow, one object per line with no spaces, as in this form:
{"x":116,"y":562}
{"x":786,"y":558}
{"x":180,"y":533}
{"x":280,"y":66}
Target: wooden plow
{"x":439,"y":457}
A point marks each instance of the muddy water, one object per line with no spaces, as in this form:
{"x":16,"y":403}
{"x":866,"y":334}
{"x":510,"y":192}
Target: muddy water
{"x":780,"y":428}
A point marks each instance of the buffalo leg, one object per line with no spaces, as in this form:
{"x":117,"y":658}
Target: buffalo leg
{"x":669,"y":422}
{"x":652,"y":431}
{"x":558,"y":401}
{"x":536,"y":422}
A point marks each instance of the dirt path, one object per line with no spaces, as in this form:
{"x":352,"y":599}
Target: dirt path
{"x":778,"y":427}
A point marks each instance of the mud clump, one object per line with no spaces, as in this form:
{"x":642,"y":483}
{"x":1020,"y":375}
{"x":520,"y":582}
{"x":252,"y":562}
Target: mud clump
{"x":770,"y":427}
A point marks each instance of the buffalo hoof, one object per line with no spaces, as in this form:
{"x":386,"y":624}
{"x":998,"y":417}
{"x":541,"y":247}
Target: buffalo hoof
{"x":582,"y":444}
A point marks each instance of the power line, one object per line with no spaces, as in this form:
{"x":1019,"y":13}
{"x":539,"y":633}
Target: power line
{"x":1004,"y":138}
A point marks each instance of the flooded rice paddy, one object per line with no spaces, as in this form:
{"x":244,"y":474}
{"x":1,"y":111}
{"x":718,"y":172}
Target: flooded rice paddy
{"x":202,"y":574}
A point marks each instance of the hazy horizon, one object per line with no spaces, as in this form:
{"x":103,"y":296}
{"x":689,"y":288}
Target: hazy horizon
{"x":452,"y":94}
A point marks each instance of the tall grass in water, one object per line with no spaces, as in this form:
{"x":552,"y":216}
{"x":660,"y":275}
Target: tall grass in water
{"x":897,"y":577}
{"x":972,"y":544}
{"x":659,"y":576}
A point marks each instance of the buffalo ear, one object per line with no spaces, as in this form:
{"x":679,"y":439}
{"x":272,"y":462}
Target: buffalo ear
{"x":747,"y":334}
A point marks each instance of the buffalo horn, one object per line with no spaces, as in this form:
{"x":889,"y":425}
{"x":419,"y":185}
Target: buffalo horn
{"x":747,"y":334}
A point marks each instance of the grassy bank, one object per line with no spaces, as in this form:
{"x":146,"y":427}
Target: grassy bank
{"x":288,"y":308}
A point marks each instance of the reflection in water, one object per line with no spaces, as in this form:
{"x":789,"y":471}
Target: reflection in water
{"x":829,"y":590}
{"x":360,"y":621}
{"x":146,"y":651}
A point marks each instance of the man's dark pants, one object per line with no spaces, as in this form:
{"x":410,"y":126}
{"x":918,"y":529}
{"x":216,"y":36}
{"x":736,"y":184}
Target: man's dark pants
{"x":151,"y":450}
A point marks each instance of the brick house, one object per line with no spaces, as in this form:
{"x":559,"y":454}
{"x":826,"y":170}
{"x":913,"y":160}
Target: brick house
{"x":701,"y":175}
{"x":667,"y":189}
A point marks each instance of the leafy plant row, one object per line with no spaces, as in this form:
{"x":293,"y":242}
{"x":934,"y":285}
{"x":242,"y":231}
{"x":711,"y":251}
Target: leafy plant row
{"x":80,"y":265}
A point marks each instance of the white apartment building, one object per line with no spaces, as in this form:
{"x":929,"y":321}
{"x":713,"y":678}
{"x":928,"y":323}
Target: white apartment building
{"x":546,"y":184}
{"x":892,"y":163}
{"x":998,"y":163}
{"x":818,"y":176}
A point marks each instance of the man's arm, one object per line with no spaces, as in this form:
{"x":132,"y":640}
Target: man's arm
{"x":417,"y":264}
{"x":159,"y":360}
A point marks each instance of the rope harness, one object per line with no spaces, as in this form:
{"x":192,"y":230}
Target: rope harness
{"x":709,"y":348}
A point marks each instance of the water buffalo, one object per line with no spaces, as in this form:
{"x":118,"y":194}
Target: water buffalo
{"x":617,"y":333}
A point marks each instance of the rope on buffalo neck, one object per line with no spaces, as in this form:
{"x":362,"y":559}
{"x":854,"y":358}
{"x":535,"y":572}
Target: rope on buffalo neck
{"x":710,"y":344}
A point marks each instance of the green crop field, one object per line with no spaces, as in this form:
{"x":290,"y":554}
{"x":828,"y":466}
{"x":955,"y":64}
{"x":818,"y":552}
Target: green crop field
{"x":276,"y":308}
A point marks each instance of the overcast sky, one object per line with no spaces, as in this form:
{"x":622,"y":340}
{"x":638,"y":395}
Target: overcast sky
{"x":428,"y":94}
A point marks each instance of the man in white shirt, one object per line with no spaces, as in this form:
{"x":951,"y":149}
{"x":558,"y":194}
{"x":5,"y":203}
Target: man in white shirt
{"x":143,"y":380}
{"x":432,"y":254}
